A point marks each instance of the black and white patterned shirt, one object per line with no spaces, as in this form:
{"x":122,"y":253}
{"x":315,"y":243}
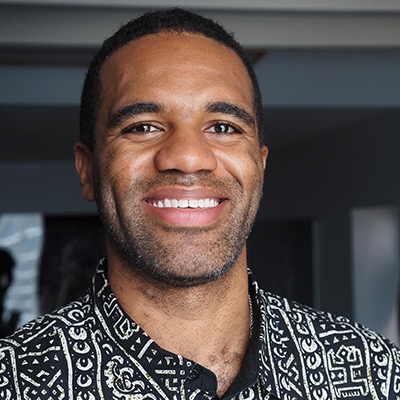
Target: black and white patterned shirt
{"x":91,"y":349}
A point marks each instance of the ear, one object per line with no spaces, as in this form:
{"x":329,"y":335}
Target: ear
{"x":264,"y":155}
{"x":84,"y":166}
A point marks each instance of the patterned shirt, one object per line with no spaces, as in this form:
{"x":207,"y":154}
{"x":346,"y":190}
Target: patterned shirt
{"x":91,"y":349}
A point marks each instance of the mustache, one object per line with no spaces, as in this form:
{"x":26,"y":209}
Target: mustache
{"x":224,"y":185}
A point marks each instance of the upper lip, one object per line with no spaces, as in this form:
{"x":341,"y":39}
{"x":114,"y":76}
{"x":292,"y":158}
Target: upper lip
{"x":183,"y":193}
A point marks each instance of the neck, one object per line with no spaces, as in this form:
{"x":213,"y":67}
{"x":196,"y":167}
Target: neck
{"x":198,"y":322}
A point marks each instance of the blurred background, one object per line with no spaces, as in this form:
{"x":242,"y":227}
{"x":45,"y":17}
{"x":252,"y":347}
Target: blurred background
{"x":328,"y":230}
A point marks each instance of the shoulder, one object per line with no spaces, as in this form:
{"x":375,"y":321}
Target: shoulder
{"x":354,"y":359}
{"x":38,"y":352}
{"x":73,"y":315}
{"x":328,"y":327}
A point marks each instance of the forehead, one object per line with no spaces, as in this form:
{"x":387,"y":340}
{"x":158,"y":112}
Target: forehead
{"x":171,"y":61}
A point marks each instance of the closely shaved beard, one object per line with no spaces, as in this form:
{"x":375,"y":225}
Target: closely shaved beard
{"x":197,"y":255}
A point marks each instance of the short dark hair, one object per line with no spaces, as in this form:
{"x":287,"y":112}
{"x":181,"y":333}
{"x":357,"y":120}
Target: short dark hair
{"x":172,"y":20}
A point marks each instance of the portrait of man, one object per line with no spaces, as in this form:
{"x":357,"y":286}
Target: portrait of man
{"x":171,"y":150}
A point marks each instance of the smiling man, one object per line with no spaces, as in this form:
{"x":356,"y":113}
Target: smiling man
{"x":171,"y":152}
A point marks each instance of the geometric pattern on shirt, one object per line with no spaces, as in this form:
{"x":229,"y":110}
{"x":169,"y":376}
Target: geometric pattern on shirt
{"x":90,"y":349}
{"x":316,"y":355}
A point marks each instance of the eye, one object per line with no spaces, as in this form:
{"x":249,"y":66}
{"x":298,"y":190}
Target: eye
{"x":140,"y":128}
{"x":224,"y":128}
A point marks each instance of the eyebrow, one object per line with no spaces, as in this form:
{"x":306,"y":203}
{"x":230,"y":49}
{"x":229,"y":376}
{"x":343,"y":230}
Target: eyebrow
{"x":231,"y":109}
{"x":132,"y":110}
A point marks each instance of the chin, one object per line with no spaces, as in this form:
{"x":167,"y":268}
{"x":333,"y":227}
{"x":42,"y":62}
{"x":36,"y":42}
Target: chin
{"x":179,"y":276}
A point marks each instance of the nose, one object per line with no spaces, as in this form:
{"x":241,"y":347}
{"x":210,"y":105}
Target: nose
{"x":186,"y":151}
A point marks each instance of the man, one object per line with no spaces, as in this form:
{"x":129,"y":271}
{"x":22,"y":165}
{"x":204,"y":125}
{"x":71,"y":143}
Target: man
{"x":171,"y":152}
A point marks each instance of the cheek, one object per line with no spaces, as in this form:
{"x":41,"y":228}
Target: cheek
{"x":125,"y":174}
{"x":245,"y":165}
{"x":139,"y":156}
{"x":106,"y":177}
{"x":125,"y":164}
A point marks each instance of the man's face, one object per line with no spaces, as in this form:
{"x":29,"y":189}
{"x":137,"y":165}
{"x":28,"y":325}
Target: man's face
{"x":177,"y":165}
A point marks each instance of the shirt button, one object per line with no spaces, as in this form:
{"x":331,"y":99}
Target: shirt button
{"x":194,"y":374}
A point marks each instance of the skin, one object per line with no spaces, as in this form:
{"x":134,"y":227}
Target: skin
{"x":190,"y":294}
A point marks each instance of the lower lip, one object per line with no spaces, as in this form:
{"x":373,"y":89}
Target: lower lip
{"x":189,"y":217}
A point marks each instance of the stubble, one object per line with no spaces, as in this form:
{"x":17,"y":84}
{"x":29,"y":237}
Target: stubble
{"x":176,"y":256}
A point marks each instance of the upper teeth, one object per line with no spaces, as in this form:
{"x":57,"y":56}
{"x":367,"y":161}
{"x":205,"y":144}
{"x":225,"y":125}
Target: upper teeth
{"x":184,"y":203}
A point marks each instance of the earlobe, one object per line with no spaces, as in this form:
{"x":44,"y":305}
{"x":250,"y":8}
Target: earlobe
{"x":84,"y":166}
{"x":264,"y":155}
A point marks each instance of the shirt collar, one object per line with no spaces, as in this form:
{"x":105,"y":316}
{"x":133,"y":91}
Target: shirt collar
{"x":264,"y":347}
{"x":280,"y":368}
{"x":130,"y":337}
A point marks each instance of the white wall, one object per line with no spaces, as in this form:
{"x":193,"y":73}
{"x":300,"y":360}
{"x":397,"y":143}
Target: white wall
{"x":376,"y":266}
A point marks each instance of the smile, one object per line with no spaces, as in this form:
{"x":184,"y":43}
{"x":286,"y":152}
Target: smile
{"x":185,"y":203}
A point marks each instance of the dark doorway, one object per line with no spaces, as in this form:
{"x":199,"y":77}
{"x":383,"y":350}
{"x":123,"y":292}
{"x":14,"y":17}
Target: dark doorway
{"x":73,"y":246}
{"x":280,"y":256}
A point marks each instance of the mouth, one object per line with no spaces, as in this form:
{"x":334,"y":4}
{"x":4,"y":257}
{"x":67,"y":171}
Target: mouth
{"x":185,"y":207}
{"x":186,"y":203}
